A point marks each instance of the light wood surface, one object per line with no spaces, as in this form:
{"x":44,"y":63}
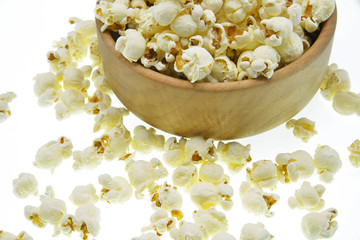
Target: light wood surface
{"x":217,"y":110}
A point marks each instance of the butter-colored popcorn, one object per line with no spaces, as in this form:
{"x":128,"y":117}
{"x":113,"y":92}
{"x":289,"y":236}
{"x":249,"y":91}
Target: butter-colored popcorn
{"x":210,"y":221}
{"x":9,"y":236}
{"x":308,"y":197}
{"x":223,"y":236}
{"x":234,"y":154}
{"x":68,"y":224}
{"x":354,"y":150}
{"x":88,"y":158}
{"x":271,"y":8}
{"x":185,"y":175}
{"x":174,"y":153}
{"x":47,"y":88}
{"x":50,"y":155}
{"x":327,"y":162}
{"x":315,"y":12}
{"x":25,"y":185}
{"x":215,"y":40}
{"x":184,"y":25}
{"x":316,"y":225}
{"x":335,"y":80}
{"x":236,"y":11}
{"x":84,"y":194}
{"x":291,"y":48}
{"x":72,"y":101}
{"x":211,"y":173}
{"x":111,"y":13}
{"x":226,"y":193}
{"x":116,"y":142}
{"x":7,"y":97}
{"x":33,"y":214}
{"x":94,"y":51}
{"x":159,"y":170}
{"x":261,"y":62}
{"x":224,"y":70}
{"x":114,"y":189}
{"x":154,"y":57}
{"x":147,"y":236}
{"x":198,"y":150}
{"x":166,"y":11}
{"x":294,"y":166}
{"x":257,"y":201}
{"x":169,"y":43}
{"x":74,"y":78}
{"x":303,"y":128}
{"x":255,"y":231}
{"x":263,"y":174}
{"x":276,"y":29}
{"x":204,"y":195}
{"x":160,"y":222}
{"x":195,"y":62}
{"x":347,"y":103}
{"x":132,"y":45}
{"x":186,"y":231}
{"x":97,"y":103}
{"x":52,"y":210}
{"x":109,"y":118}
{"x":145,"y":140}
{"x":166,"y":197}
{"x":87,"y":217}
{"x":294,"y":14}
{"x":84,"y":27}
{"x":213,"y":5}
{"x":204,"y":18}
{"x":60,"y":58}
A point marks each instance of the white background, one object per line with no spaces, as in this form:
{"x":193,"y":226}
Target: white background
{"x":27,"y":31}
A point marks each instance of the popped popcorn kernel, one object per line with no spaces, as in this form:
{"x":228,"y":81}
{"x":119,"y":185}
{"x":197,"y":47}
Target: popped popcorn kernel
{"x":223,"y":236}
{"x":114,"y":189}
{"x":88,"y":158}
{"x":109,"y":118}
{"x":186,"y":231}
{"x":160,"y":222}
{"x":33,"y":214}
{"x":204,"y":195}
{"x":316,"y":225}
{"x":97,"y":103}
{"x":255,"y":231}
{"x":347,"y":103}
{"x":327,"y":162}
{"x":25,"y":185}
{"x":303,"y":128}
{"x":197,"y":149}
{"x":166,"y":197}
{"x":236,"y":11}
{"x":335,"y":80}
{"x":210,"y":221}
{"x":9,"y":236}
{"x":308,"y":197}
{"x":145,"y":140}
{"x":234,"y":154}
{"x":263,"y":174}
{"x":87,"y":218}
{"x":354,"y":150}
{"x":147,"y":236}
{"x":84,"y":194}
{"x":211,"y":173}
{"x":174,"y":154}
{"x":131,"y":45}
{"x":185,"y":175}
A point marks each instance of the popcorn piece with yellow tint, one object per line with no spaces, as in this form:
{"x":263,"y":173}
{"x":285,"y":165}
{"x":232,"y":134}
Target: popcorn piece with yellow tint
{"x":223,"y":236}
{"x":204,"y":18}
{"x":101,"y":83}
{"x":327,"y":162}
{"x":185,"y":175}
{"x":88,"y":158}
{"x":303,"y":128}
{"x":198,"y":150}
{"x":51,"y":209}
{"x":236,"y":11}
{"x":213,"y":5}
{"x":111,"y":13}
{"x":294,"y":13}
{"x":97,"y":103}
{"x":354,"y":150}
{"x":316,"y":225}
{"x":159,"y":170}
{"x":165,"y":12}
{"x":109,"y":118}
{"x":271,"y":8}
{"x":315,"y":12}
{"x":174,"y":154}
{"x":226,"y":193}
{"x":47,"y":88}
{"x":211,"y":173}
{"x":160,"y":222}
{"x":23,"y":236}
{"x":294,"y":166}
{"x":67,"y":225}
{"x":71,"y":101}
{"x":335,"y":80}
{"x":169,"y":43}
{"x":74,"y":78}
{"x":195,"y":62}
{"x":166,"y":197}
{"x":276,"y":29}
{"x":147,"y":24}
{"x":116,"y":143}
{"x":204,"y":195}
{"x":291,"y":48}
{"x":87,"y":220}
{"x":154,"y":57}
{"x":84,"y":194}
{"x":263,"y":174}
{"x":184,"y":25}
{"x":187,"y":231}
{"x":215,"y":40}
{"x":261,"y":62}
{"x":308,"y":197}
{"x":224,"y":70}
{"x":145,"y":140}
{"x":33,"y":214}
{"x":83,"y":27}
{"x":60,"y":58}
{"x":255,"y":231}
{"x":147,"y":236}
{"x":9,"y":236}
{"x":210,"y":221}
{"x":257,"y":201}
{"x":234,"y":154}
{"x":347,"y":103}
{"x":94,"y":51}
{"x":115,"y":189}
{"x":50,"y":155}
{"x":25,"y":185}
{"x":132,"y":45}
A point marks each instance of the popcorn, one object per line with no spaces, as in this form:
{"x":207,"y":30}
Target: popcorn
{"x":304,"y":128}
{"x":50,"y":155}
{"x":271,"y":8}
{"x":290,"y":49}
{"x":225,"y":194}
{"x":97,"y":103}
{"x":355,"y":153}
{"x":111,"y":13}
{"x":160,"y":222}
{"x":198,"y":150}
{"x":185,"y":175}
{"x":147,"y":236}
{"x":204,"y":195}
{"x":9,"y":236}
{"x":109,"y":118}
{"x":316,"y":12}
{"x":87,"y":217}
{"x":168,"y":42}
{"x":294,"y":14}
{"x":72,"y":101}
{"x":88,"y":158}
{"x":211,"y":173}
{"x":115,"y":189}
{"x":319,"y":225}
{"x":84,"y":194}
{"x":256,"y":201}
{"x":165,"y":12}
{"x":260,"y":62}
{"x":186,"y":231}
{"x":195,"y":62}
{"x":51,"y":209}
{"x":60,"y":58}
{"x":25,"y":185}
{"x":74,"y":78}
{"x":174,"y":153}
{"x":234,"y":154}
{"x":166,"y":197}
{"x":47,"y":88}
{"x":223,"y":236}
{"x":83,"y":27}
{"x":154,"y":57}
{"x":145,"y":140}
{"x":294,"y":166}
{"x":276,"y":29}
{"x":184,"y":25}
{"x":263,"y":174}
{"x":308,"y":197}
{"x":147,"y":24}
{"x":251,"y":231}
{"x":33,"y":214}
{"x":132,"y":45}
{"x":347,"y":103}
{"x":215,"y":40}
{"x":327,"y":162}
{"x":116,"y":143}
{"x":236,"y":11}
{"x":224,"y":70}
{"x":213,"y":5}
{"x":210,"y":221}
{"x":335,"y":80}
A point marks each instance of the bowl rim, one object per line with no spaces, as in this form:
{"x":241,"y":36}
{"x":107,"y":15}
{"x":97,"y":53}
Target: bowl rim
{"x":325,"y":37}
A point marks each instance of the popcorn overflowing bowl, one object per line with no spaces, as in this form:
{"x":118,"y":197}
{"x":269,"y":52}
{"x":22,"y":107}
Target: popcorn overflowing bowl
{"x":218,"y":110}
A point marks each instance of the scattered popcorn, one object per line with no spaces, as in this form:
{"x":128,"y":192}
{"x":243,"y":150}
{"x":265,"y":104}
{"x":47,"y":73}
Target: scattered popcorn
{"x":109,"y":118}
{"x":186,"y":231}
{"x":355,"y":153}
{"x":147,"y":236}
{"x":204,"y":195}
{"x":87,"y":218}
{"x":315,"y":12}
{"x":185,"y":175}
{"x":263,"y":174}
{"x":251,"y":231}
{"x":146,"y":140}
{"x":132,"y":45}
{"x":319,"y":225}
{"x":33,"y":214}
{"x":223,"y":236}
{"x":88,"y":158}
{"x":25,"y":185}
{"x":198,"y":150}
{"x":308,"y":197}
{"x":294,"y":166}
{"x":327,"y":162}
{"x":211,"y":173}
{"x":160,"y":222}
{"x":234,"y":154}
{"x":347,"y":103}
{"x":225,"y":192}
{"x":74,"y":78}
{"x":84,"y":194}
{"x":116,"y":143}
{"x":210,"y":221}
{"x":52,"y":210}
{"x":224,"y":70}
{"x":97,"y":103}
{"x":115,"y":189}
{"x":101,"y":83}
{"x":303,"y":128}
{"x":50,"y":155}
{"x":5,"y":98}
{"x":166,"y":197}
{"x":174,"y":154}
{"x":71,"y":101}
{"x":335,"y":80}
{"x":9,"y":236}
{"x":276,"y":29}
{"x":256,"y":201}
{"x":47,"y":88}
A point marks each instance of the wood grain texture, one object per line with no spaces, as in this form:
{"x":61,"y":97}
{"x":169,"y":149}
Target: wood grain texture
{"x":217,"y":110}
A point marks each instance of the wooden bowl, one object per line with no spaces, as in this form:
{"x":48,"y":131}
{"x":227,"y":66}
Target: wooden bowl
{"x":225,"y":110}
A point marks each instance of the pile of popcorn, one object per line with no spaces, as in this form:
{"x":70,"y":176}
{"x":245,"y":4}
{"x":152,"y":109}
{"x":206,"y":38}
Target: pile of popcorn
{"x":213,"y":40}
